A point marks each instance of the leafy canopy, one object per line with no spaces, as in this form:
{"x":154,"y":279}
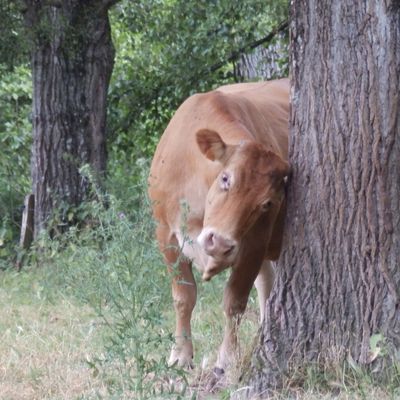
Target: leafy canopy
{"x":170,"y":49}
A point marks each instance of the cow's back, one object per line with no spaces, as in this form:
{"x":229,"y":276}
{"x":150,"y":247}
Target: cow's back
{"x":180,"y":172}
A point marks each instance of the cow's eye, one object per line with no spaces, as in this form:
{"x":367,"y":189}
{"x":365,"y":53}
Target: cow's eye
{"x":266,"y":205}
{"x":225,"y":181}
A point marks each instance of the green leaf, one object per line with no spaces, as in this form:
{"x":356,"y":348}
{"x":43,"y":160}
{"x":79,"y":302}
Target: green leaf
{"x":374,"y":349}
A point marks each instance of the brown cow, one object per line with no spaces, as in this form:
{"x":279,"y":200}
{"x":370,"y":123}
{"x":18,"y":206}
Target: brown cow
{"x":217,"y":187}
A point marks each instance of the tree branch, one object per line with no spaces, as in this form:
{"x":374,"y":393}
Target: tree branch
{"x":250,"y":46}
{"x":206,"y":71}
{"x":109,"y":3}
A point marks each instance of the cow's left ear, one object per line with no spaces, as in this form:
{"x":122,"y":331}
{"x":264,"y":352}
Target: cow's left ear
{"x":212,"y":145}
{"x":278,"y":167}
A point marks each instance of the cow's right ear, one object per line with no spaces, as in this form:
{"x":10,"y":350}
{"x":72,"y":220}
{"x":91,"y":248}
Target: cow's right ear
{"x":211,"y":145}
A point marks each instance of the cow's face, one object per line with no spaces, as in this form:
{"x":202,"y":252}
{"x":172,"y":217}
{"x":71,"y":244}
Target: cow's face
{"x":246,"y":195}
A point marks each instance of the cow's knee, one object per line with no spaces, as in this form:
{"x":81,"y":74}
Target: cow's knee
{"x":184,"y":294}
{"x":184,"y":306}
{"x":234,"y":307}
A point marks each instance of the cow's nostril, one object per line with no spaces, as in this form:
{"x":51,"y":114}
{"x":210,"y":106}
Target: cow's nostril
{"x":210,"y":240}
{"x":216,"y":245}
{"x":229,"y":251}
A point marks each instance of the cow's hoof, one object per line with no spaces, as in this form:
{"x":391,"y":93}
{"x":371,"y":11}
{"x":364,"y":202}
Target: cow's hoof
{"x":216,"y":379}
{"x":182,"y":361}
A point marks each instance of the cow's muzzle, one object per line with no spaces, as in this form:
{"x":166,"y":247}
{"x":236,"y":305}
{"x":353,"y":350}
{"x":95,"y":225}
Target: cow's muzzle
{"x":218,"y":246}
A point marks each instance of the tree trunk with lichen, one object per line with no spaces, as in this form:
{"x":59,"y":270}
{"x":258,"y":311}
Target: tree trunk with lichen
{"x":338,"y":279}
{"x":72,"y":61}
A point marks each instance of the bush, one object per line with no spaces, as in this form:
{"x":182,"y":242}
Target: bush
{"x":15,"y":143}
{"x":113,"y":265}
{"x":166,"y":51}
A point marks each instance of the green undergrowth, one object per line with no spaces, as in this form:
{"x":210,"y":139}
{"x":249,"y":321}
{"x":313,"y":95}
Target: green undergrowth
{"x":15,"y":142}
{"x":113,"y":269}
{"x":113,"y":266}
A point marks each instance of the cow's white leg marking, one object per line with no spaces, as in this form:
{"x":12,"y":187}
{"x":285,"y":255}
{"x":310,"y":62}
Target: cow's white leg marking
{"x":263,"y":284}
{"x":192,"y":250}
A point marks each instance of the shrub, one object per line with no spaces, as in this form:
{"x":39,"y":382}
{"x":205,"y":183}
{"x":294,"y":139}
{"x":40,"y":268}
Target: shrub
{"x":113,"y":264}
{"x":15,"y":142}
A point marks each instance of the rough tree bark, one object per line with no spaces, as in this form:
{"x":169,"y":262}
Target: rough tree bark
{"x":338,"y":279}
{"x":269,"y":62}
{"x":72,"y":61}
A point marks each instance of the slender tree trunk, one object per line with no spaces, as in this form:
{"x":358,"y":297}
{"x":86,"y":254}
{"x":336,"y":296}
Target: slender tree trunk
{"x":72,"y":61}
{"x":338,"y":278}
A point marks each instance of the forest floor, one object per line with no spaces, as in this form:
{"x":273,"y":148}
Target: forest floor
{"x":48,"y":340}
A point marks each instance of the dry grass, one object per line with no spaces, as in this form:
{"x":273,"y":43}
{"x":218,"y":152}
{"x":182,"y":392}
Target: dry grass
{"x":44,"y":345}
{"x":226,"y":390}
{"x":47,"y":339}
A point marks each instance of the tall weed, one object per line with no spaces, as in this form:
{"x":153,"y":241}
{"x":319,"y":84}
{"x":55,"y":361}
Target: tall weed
{"x":113,"y":265}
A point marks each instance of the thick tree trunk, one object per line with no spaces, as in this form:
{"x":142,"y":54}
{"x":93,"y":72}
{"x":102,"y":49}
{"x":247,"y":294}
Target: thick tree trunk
{"x":72,"y":61}
{"x":264,"y":63}
{"x":338,"y":279}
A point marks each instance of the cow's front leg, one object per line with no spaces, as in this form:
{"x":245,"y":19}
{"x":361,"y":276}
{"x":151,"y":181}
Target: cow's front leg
{"x":235,"y":300}
{"x":184,"y":295}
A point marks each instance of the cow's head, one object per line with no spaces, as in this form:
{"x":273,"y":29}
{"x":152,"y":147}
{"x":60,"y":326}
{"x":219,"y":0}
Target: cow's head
{"x":247,"y":195}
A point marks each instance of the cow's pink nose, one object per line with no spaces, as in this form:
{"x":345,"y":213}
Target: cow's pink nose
{"x":217,"y":245}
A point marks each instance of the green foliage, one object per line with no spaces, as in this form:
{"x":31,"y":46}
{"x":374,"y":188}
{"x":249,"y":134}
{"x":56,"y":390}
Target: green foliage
{"x":168,"y":50}
{"x":113,"y":265}
{"x":15,"y":142}
{"x":14,"y":47}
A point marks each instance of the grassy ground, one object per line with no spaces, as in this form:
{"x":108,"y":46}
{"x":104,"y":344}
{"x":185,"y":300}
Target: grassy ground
{"x":48,"y":339}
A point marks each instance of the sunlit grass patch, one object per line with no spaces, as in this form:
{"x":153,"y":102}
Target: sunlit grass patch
{"x":45,"y":345}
